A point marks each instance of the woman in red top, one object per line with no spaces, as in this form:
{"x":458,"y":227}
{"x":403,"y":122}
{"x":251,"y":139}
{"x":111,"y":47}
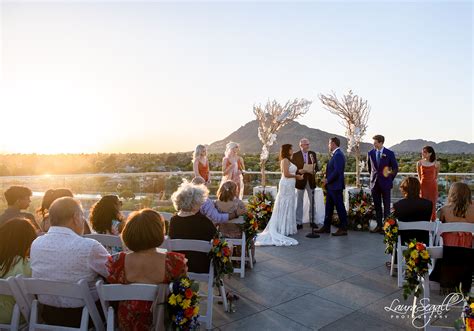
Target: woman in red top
{"x":143,"y":233}
{"x":201,"y":163}
{"x":428,"y":169}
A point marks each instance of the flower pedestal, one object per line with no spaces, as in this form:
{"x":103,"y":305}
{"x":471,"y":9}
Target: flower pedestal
{"x":353,"y":190}
{"x":360,"y":209}
{"x":268,"y":189}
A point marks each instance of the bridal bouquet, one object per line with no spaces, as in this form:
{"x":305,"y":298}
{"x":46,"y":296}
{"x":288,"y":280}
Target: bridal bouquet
{"x":417,"y":259}
{"x":183,"y":304}
{"x":361,"y":210}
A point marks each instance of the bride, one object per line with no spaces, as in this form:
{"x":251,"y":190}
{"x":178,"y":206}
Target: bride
{"x":283,"y":220}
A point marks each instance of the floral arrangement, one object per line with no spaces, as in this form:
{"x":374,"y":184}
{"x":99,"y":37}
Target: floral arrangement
{"x":417,"y":260}
{"x":390,"y":228}
{"x":220,"y":254}
{"x":183,"y":304}
{"x":468,"y":313}
{"x":250,"y":227}
{"x":260,"y":207}
{"x":361,"y":210}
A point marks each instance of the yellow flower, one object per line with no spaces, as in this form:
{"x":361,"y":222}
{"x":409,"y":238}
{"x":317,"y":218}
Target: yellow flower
{"x":183,"y":321}
{"x":225,"y":259}
{"x":425,"y":254}
{"x":472,"y":305}
{"x":196,"y":310}
{"x":411,"y":245}
{"x":185,"y":282}
{"x":186,"y":304}
{"x":414,"y":254}
{"x":219,"y":254}
{"x":179,"y":298}
{"x":172,"y":300}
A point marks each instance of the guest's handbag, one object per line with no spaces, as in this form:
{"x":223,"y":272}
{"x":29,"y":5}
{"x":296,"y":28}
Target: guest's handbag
{"x":158,"y":309}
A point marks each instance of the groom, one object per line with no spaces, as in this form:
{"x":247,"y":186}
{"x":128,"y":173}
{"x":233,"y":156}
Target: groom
{"x":334,"y":182}
{"x":308,"y":183}
{"x":383,"y":168}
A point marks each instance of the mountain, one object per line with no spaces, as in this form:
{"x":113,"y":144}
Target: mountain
{"x":450,"y":146}
{"x":291,"y":133}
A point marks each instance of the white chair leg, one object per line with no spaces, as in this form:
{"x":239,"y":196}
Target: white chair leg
{"x":399,"y":267}
{"x":242,"y":257}
{"x":224,"y":298}
{"x":392,"y":265}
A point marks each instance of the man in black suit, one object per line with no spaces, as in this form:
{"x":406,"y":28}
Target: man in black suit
{"x":412,"y":209}
{"x":308,"y":183}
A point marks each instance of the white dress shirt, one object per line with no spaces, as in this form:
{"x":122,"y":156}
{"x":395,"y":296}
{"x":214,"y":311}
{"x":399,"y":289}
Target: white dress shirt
{"x":63,"y":255}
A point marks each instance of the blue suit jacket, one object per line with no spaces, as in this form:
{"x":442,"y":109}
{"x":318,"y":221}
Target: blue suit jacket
{"x":387,"y":162}
{"x":335,"y":171}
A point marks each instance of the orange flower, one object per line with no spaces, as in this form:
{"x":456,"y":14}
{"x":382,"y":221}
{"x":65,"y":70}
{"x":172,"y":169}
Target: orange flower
{"x":188,"y":293}
{"x":420,"y":246}
{"x":215,"y":242}
{"x":391,"y":221}
{"x":188,"y":313}
{"x":226,"y":251}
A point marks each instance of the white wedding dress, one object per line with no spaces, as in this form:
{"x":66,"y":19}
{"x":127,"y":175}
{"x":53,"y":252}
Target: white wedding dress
{"x":283,"y":220}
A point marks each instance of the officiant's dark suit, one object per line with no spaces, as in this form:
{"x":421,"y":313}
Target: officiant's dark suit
{"x":308,"y":183}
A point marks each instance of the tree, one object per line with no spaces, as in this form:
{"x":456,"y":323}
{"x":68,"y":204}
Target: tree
{"x":271,"y":119}
{"x":354,"y":112}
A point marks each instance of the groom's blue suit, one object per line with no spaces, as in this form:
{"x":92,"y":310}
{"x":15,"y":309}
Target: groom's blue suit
{"x":382,"y":174}
{"x":335,"y":186}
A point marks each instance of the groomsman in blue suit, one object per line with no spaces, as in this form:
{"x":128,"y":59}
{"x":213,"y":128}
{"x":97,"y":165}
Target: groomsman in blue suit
{"x":334,"y":182}
{"x":383,"y":168}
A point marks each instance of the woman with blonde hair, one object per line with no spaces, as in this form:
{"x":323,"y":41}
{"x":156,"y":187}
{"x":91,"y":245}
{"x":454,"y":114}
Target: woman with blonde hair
{"x":458,"y":209}
{"x":233,"y":167}
{"x":201,"y":163}
{"x":228,"y":202}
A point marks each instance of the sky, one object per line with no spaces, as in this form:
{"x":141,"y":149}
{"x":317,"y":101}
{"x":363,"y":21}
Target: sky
{"x":88,"y":76}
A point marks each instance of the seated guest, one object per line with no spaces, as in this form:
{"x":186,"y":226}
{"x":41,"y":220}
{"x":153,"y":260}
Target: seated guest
{"x":209,"y":210}
{"x":189,"y":223}
{"x":144,"y":231}
{"x":458,"y":209}
{"x":16,"y":236}
{"x":412,"y":208}
{"x":18,"y":198}
{"x":48,"y":198}
{"x":227,"y":202}
{"x":62,"y":254}
{"x":105,"y":216}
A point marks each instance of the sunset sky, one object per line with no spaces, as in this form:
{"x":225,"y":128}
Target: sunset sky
{"x":88,"y":76}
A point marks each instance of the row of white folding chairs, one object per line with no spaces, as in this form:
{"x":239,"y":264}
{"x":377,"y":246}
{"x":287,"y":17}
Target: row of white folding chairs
{"x":435,"y":229}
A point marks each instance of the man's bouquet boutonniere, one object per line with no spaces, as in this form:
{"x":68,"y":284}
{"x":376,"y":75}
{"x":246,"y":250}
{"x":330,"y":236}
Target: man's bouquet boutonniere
{"x":384,"y":155}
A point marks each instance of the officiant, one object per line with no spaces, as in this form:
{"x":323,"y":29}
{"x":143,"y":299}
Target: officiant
{"x":307,"y":164}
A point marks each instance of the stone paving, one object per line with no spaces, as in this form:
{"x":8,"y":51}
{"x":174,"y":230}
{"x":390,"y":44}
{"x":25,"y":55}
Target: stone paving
{"x":328,"y":283}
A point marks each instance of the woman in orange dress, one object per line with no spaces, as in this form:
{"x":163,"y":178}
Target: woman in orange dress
{"x":458,"y":209}
{"x":201,"y":163}
{"x":428,"y":169}
{"x":233,"y":168}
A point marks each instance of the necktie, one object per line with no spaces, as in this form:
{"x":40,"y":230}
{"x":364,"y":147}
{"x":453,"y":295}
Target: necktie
{"x":305,"y":157}
{"x":378,"y":158}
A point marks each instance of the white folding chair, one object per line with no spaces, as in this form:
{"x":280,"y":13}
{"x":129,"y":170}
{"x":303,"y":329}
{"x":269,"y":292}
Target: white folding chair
{"x":402,"y":226}
{"x":205,"y":247}
{"x":118,"y":292}
{"x":32,"y":287}
{"x":8,"y":287}
{"x":243,"y":254}
{"x":107,"y":240}
{"x":453,"y":227}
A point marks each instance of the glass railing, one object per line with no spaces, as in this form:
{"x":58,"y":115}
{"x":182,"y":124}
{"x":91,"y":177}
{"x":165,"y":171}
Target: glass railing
{"x":154,"y":189}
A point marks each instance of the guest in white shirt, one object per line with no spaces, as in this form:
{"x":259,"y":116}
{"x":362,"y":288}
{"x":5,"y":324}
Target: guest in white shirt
{"x":63,"y":254}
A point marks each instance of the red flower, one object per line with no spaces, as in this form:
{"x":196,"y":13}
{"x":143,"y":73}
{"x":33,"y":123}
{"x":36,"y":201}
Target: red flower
{"x":420,"y":246}
{"x":226,"y":251}
{"x":215,"y":242}
{"x":391,"y":221}
{"x":188,"y":313}
{"x":188,"y":293}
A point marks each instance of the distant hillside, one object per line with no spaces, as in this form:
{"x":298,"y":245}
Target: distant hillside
{"x":247,"y":137}
{"x":450,"y":146}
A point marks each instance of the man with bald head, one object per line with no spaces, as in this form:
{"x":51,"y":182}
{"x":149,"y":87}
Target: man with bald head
{"x":308,"y":183}
{"x":62,"y":254}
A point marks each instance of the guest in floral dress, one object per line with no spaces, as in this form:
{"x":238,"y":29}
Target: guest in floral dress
{"x":16,"y":236}
{"x":143,"y":232}
{"x":233,"y":167}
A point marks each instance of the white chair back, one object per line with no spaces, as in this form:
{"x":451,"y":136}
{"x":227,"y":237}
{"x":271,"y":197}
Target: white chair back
{"x":32,"y":287}
{"x":107,"y":240}
{"x":166,"y":216}
{"x":5,"y":289}
{"x":204,"y":247}
{"x":119,"y":292}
